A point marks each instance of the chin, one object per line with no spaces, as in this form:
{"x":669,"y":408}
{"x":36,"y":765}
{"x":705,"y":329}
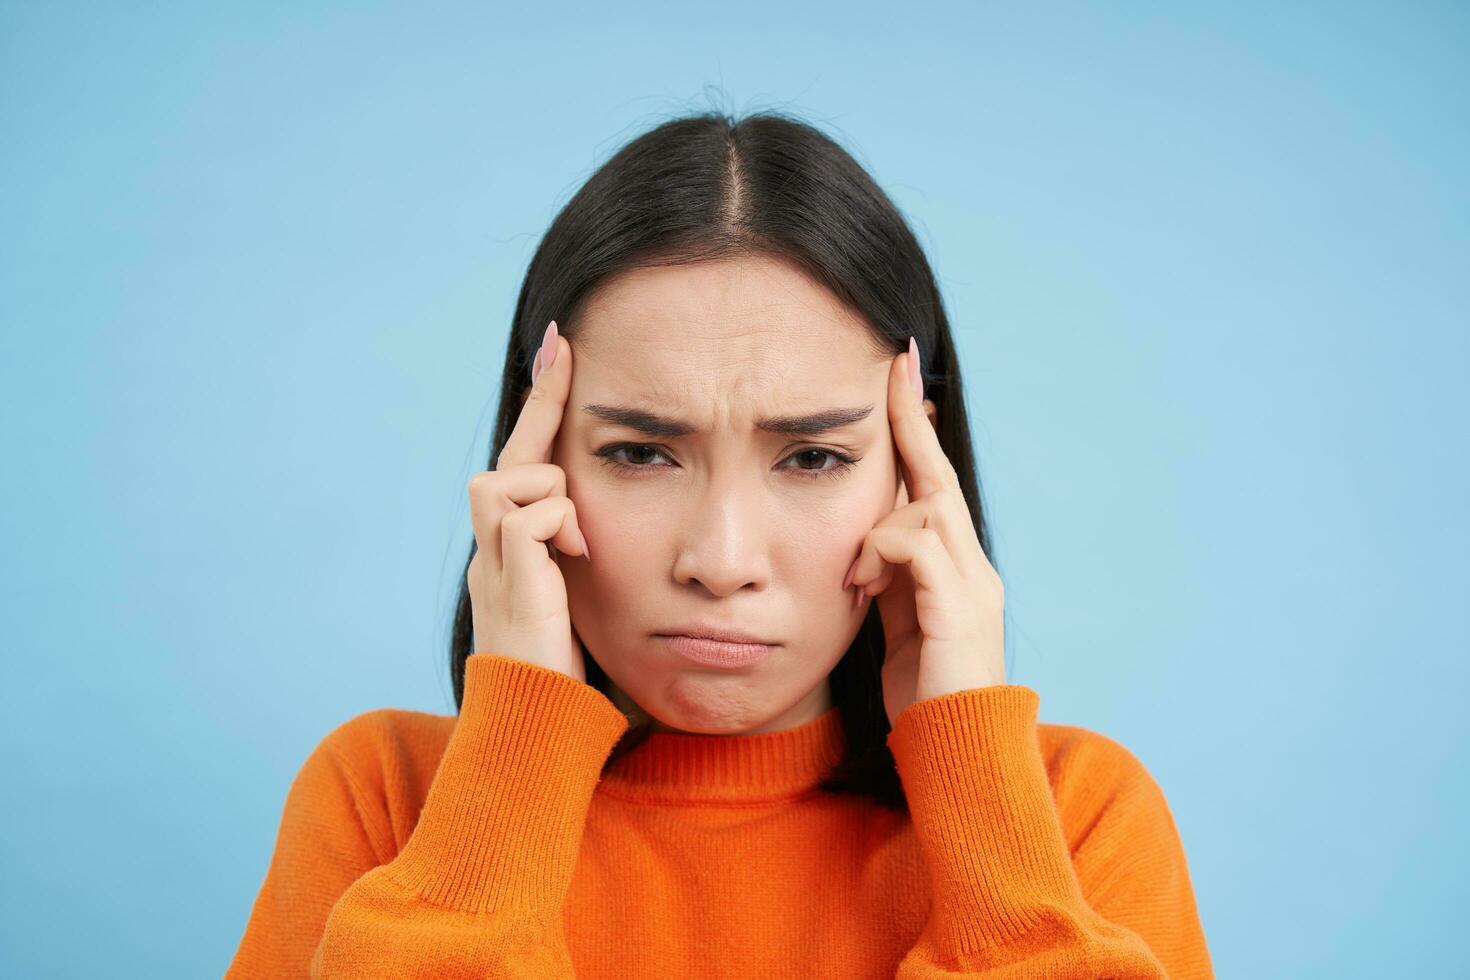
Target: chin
{"x":699,"y":704}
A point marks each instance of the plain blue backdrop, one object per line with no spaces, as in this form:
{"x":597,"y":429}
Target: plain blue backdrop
{"x":1207,"y":266}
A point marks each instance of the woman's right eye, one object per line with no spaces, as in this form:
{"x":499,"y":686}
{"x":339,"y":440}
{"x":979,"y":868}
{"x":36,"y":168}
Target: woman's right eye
{"x":609,"y":456}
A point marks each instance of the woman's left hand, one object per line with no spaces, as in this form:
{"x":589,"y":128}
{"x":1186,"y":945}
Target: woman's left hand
{"x":940,"y":599}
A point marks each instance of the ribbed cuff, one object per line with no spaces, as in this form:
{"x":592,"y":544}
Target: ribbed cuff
{"x":983,"y":811}
{"x":504,"y":817}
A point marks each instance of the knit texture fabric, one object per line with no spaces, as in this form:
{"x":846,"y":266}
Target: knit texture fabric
{"x":491,"y":844}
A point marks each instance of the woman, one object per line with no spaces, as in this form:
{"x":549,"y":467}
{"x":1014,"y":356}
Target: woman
{"x":729,"y":654}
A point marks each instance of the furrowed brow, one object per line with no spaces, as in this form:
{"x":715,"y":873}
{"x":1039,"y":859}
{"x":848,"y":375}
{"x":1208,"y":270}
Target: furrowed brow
{"x":663,"y":426}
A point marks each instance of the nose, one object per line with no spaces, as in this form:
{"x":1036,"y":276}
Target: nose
{"x":723,"y":542}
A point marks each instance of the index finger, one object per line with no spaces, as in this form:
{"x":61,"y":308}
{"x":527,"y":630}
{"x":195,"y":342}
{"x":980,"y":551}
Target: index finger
{"x":532,"y":438}
{"x":922,"y":461}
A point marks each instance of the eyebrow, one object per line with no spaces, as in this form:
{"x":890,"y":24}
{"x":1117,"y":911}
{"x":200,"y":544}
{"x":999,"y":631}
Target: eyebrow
{"x":651,"y":424}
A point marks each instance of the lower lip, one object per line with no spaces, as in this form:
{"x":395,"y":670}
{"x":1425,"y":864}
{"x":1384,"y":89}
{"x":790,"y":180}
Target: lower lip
{"x":716,"y":653}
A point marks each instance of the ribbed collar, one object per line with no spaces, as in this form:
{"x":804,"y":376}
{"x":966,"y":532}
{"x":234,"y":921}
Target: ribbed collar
{"x":676,"y":767}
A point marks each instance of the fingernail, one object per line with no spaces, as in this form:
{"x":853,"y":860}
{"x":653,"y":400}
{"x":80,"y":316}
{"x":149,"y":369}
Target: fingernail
{"x":549,"y":345}
{"x":914,"y":375}
{"x":586,"y":551}
{"x":847,"y":579}
{"x":536,"y":366}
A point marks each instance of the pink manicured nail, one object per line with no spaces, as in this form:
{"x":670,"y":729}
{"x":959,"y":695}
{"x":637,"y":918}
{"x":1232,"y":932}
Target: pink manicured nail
{"x":548,"y":344}
{"x":586,"y":549}
{"x":914,"y":375}
{"x":847,"y":580}
{"x":536,"y":365}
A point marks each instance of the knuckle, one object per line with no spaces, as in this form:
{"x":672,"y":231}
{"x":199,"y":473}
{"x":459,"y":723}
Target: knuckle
{"x":555,"y":474}
{"x":513,"y":520}
{"x":485,"y":484}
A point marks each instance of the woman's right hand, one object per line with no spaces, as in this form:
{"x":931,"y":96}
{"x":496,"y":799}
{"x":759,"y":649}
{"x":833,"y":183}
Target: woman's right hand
{"x":518,"y":598}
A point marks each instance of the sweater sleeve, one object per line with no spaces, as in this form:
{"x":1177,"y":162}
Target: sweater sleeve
{"x":1009,"y":903}
{"x":477,"y":889}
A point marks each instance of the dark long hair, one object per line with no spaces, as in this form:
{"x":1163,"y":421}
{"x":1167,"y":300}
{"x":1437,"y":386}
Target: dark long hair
{"x":709,"y":186}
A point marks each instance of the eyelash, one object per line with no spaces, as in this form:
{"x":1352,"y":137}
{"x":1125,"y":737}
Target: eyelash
{"x":844,"y":465}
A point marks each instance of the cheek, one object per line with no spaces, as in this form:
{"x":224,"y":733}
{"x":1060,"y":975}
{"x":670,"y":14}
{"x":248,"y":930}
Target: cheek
{"x":611,"y":515}
{"x":826,"y":539}
{"x":620,"y":537}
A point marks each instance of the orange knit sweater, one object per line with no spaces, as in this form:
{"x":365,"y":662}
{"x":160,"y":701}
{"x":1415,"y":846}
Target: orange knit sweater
{"x":492,"y":845}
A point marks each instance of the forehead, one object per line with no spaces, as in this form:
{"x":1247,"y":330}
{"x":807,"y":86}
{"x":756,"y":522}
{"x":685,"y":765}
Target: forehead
{"x":731,"y":324}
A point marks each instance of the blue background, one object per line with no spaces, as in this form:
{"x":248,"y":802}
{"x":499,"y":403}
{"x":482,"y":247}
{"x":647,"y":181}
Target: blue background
{"x":1207,"y":267}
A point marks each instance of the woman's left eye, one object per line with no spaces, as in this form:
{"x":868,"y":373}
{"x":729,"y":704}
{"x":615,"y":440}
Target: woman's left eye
{"x":844,"y":462}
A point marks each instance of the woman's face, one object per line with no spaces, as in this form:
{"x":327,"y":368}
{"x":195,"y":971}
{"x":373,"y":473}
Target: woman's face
{"x":728,"y":524}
